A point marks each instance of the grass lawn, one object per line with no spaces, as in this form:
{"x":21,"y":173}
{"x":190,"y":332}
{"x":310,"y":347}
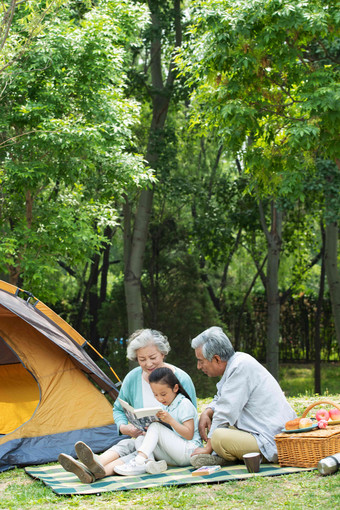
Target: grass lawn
{"x":297,"y":491}
{"x":298,"y":379}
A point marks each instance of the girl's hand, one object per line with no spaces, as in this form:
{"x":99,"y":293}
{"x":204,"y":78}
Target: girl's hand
{"x":164,"y":416}
{"x":130,"y":430}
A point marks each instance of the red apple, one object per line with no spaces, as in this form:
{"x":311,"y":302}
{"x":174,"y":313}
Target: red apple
{"x":322,"y":414}
{"x":334,"y":414}
{"x":322,"y":424}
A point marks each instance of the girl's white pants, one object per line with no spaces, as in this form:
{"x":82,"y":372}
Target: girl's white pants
{"x":165,"y":444}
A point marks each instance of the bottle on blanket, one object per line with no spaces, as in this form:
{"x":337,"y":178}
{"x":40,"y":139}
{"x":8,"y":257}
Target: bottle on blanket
{"x":329,"y":465}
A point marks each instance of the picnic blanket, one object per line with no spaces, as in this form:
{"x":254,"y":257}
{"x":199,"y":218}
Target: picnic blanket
{"x":64,"y":483}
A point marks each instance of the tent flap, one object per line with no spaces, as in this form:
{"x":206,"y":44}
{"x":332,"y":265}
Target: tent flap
{"x":43,"y":449}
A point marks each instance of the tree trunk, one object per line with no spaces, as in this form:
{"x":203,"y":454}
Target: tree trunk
{"x":332,"y":272}
{"x":161,"y":95}
{"x":94,"y":301}
{"x":105,"y":265}
{"x":91,"y":299}
{"x":134,"y":265}
{"x":239,"y":317}
{"x":274,"y":240}
{"x":317,"y":339}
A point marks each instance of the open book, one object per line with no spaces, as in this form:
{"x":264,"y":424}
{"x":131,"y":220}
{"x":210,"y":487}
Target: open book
{"x":141,"y":418}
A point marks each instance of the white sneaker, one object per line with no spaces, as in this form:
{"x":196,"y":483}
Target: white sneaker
{"x":131,"y":468}
{"x":154,"y":467}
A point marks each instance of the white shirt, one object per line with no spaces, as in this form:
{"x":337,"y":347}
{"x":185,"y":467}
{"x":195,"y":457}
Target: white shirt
{"x":149,"y":399}
{"x":249,"y":398}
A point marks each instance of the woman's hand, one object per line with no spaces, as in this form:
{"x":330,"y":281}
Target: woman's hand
{"x":205,"y":423}
{"x":130,"y":430}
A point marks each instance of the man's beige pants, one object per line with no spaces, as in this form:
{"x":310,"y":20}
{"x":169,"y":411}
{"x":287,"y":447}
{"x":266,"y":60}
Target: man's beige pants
{"x":231,"y":444}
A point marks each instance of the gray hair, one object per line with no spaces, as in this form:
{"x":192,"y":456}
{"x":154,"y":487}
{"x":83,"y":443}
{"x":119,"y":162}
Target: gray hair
{"x":142,"y":338}
{"x":214,"y":342}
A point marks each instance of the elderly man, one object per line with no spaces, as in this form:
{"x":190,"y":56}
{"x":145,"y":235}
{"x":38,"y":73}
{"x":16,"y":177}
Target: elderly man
{"x":248,"y":410}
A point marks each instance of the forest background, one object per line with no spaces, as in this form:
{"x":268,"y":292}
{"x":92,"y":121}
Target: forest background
{"x":175,"y":165}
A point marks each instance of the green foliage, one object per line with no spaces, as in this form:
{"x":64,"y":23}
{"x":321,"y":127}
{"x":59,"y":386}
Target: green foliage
{"x":264,"y":83}
{"x":20,"y":23}
{"x":66,"y":142}
{"x":268,"y":72}
{"x":328,"y":176}
{"x":112,"y":318}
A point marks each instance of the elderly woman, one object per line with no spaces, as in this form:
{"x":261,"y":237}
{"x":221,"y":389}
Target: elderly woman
{"x":148,"y":347}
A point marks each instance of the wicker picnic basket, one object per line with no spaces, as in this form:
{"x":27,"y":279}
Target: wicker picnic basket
{"x":305,"y":449}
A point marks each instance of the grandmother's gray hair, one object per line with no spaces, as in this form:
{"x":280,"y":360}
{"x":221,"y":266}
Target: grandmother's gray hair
{"x":142,"y":338}
{"x":214,"y":342}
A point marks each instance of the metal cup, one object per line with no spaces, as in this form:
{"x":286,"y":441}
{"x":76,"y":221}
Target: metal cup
{"x":252,"y":462}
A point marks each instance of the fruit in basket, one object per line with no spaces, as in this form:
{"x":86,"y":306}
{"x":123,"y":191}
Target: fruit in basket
{"x":322,"y":424}
{"x":334,"y":414}
{"x":305,"y":422}
{"x":322,"y":414}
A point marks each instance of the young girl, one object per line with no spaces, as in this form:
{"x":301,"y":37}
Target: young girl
{"x":172,"y":445}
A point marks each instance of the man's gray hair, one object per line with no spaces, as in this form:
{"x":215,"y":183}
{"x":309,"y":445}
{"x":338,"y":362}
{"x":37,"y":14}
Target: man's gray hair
{"x":214,"y":342}
{"x":143,"y":337}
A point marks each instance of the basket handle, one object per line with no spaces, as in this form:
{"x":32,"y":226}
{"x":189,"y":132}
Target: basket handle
{"x":306,"y":411}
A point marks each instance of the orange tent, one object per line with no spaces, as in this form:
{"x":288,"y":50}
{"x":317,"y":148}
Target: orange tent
{"x":51,"y":391}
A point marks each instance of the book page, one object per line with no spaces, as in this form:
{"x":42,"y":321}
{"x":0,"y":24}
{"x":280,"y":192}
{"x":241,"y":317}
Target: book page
{"x":142,"y":412}
{"x":143,"y":417}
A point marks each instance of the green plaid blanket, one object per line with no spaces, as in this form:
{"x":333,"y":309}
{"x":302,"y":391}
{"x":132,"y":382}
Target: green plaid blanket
{"x":64,"y":483}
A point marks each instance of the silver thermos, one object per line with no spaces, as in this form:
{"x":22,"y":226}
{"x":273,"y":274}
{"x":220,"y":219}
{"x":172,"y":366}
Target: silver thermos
{"x":329,"y":465}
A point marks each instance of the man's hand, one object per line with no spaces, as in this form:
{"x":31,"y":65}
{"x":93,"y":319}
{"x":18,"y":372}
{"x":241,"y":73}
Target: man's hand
{"x":205,"y":449}
{"x":205,"y":423}
{"x":130,"y":430}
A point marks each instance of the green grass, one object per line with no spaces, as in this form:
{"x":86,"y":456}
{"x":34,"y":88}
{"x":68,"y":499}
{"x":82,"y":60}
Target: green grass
{"x":299,"y":379}
{"x":294,"y":492}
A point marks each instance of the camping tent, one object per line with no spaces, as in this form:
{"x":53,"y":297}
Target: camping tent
{"x":51,"y":391}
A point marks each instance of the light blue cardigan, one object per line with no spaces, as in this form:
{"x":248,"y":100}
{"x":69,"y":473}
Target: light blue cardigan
{"x":131,"y":392}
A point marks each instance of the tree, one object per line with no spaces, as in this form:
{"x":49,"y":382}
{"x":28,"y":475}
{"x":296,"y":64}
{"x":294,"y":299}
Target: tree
{"x":165,"y":29}
{"x":330,"y":178}
{"x":20,"y":23}
{"x":267,"y":72}
{"x":274,"y":242}
{"x":67,"y":144}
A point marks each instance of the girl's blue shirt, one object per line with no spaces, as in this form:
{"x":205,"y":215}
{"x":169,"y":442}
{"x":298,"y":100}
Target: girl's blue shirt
{"x":181,"y":409}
